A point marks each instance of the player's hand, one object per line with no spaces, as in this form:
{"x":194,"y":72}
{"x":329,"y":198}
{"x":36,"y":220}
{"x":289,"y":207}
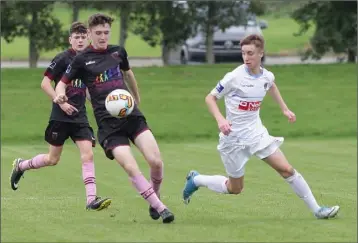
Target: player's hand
{"x":60,"y":99}
{"x":224,"y":126}
{"x":290,"y":115}
{"x":68,"y":109}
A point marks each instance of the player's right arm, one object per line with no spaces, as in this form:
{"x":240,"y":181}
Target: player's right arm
{"x":47,"y":87}
{"x":55,"y":69}
{"x":221,"y":89}
{"x":72,"y":72}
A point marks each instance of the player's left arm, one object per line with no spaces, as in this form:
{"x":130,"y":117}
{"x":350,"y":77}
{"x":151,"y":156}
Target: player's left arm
{"x":276,"y":95}
{"x":129,"y":77}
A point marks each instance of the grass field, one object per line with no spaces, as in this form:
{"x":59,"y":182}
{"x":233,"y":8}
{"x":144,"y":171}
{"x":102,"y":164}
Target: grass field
{"x":49,"y":205}
{"x":279,"y":38}
{"x":320,"y":95}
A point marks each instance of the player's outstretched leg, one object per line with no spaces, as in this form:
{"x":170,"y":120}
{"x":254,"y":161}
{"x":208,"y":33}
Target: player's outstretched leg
{"x":148,"y":146}
{"x":190,"y":186}
{"x":89,"y":178}
{"x":278,"y":161}
{"x":125,"y":158}
{"x":216,"y":183}
{"x":40,"y":160}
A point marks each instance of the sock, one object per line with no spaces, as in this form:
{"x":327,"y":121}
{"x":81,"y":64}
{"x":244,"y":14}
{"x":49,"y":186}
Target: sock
{"x":156,"y":177}
{"x":147,"y":192}
{"x":89,"y":180}
{"x":216,"y":183}
{"x":36,"y":162}
{"x":301,"y":188}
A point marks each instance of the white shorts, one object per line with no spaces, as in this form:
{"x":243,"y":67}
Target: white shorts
{"x":235,"y":155}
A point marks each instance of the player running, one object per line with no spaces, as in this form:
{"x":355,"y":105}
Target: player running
{"x":67,"y":120}
{"x":243,"y":135}
{"x":104,"y":68}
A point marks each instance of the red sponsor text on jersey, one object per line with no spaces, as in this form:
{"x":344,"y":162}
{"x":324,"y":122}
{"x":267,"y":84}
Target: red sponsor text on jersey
{"x":249,"y":105}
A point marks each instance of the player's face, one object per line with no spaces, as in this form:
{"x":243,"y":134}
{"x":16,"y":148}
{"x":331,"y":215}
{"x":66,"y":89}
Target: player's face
{"x":78,"y":41}
{"x":99,"y":36}
{"x":252,"y":55}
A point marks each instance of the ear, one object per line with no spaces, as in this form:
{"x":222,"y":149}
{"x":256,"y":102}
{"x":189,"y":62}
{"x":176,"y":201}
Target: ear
{"x":69,"y":39}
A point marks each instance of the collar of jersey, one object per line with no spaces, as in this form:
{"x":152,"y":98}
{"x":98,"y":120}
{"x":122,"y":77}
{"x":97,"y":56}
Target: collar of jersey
{"x":254,"y":75}
{"x":96,"y":50}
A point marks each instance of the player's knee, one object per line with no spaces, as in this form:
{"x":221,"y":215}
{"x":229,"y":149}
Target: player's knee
{"x":87,"y":157}
{"x":155,"y":161}
{"x":53,"y":160}
{"x":286,"y":171}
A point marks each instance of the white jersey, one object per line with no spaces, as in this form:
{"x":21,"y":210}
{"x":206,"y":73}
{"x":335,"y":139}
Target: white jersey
{"x":243,"y":95}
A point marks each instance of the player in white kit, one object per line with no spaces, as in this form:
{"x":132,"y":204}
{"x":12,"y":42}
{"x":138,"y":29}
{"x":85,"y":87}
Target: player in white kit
{"x":243,"y":135}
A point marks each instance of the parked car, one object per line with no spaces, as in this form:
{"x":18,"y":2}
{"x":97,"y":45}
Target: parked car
{"x":226,"y":46}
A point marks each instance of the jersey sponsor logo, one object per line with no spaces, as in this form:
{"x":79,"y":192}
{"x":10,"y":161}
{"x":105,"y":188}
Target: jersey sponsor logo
{"x":52,"y":65}
{"x":219,"y":87}
{"x":249,"y":105}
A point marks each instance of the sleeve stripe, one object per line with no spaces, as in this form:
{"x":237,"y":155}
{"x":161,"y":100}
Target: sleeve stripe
{"x":49,"y":75}
{"x":65,"y":79}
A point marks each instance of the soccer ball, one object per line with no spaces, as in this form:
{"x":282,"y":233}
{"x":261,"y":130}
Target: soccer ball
{"x":119,"y":103}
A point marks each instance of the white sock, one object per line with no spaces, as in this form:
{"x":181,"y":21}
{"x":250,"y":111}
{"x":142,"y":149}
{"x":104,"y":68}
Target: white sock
{"x":301,"y":188}
{"x":216,"y":183}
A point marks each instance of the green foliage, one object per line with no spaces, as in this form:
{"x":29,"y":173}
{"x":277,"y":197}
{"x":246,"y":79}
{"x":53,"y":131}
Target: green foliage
{"x":34,"y":20}
{"x":220,"y":14}
{"x":336,"y":27}
{"x":161,"y":22}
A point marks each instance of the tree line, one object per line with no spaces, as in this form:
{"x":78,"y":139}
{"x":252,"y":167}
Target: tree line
{"x":170,"y":23}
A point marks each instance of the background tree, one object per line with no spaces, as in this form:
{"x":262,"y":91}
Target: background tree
{"x":210,"y":16}
{"x":165,"y":23}
{"x":34,"y":20}
{"x":122,"y":10}
{"x":336,"y":27}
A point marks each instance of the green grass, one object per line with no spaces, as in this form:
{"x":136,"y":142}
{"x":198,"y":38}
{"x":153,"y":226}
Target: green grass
{"x":322,"y":96}
{"x":279,"y":38}
{"x":49,"y":205}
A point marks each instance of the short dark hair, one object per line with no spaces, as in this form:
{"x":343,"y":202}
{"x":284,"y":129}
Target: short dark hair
{"x":257,"y":40}
{"x":99,"y":19}
{"x":78,"y":28}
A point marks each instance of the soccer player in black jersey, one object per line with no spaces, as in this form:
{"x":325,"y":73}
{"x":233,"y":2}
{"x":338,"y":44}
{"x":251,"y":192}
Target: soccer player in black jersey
{"x":104,"y":68}
{"x":67,"y":120}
